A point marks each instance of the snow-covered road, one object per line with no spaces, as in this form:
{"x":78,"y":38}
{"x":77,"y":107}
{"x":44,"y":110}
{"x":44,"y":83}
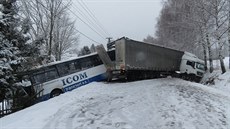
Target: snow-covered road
{"x":150,"y":104}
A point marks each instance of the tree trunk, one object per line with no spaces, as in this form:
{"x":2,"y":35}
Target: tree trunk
{"x":51,"y":38}
{"x":223,"y":69}
{"x":229,"y":51}
{"x":210,"y":54}
{"x":205,"y":56}
{"x":229,"y":43}
{"x":229,"y":34}
{"x":52,"y":18}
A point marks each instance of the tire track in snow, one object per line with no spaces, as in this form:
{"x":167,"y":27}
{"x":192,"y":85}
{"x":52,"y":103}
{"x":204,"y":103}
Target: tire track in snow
{"x":184,"y":106}
{"x":167,"y":105}
{"x":202,"y":109}
{"x":89,"y":114}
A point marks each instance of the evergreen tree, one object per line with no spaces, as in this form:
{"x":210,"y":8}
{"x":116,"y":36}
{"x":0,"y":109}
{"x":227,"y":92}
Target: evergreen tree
{"x":84,"y":51}
{"x":92,"y":48}
{"x":13,"y":48}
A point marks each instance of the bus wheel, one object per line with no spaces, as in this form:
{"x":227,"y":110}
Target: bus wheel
{"x":55,"y":93}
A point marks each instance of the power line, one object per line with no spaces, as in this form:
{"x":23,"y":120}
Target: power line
{"x":85,"y":7}
{"x":86,"y":23}
{"x":86,"y":18}
{"x":86,"y":36}
{"x":94,"y":18}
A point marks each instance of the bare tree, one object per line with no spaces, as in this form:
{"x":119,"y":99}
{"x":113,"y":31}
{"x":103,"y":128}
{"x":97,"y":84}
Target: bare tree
{"x":213,"y":16}
{"x":65,"y":36}
{"x":45,"y":17}
{"x":220,"y":18}
{"x":203,"y":21}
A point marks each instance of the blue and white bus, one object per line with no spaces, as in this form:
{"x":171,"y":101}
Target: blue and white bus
{"x":59,"y":77}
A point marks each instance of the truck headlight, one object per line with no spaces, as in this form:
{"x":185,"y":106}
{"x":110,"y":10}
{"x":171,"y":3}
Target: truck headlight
{"x":199,"y":73}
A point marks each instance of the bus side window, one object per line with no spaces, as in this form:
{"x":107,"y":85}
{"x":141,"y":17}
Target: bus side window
{"x":51,"y":74}
{"x":97,"y":61}
{"x":72,"y":67}
{"x":87,"y":63}
{"x":39,"y":78}
{"x":81,"y":63}
{"x":62,"y":69}
{"x":78,"y":65}
{"x":66,"y":68}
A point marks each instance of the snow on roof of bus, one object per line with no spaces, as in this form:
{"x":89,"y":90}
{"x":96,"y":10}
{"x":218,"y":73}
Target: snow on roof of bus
{"x":154,"y":44}
{"x":62,"y":61}
{"x":70,"y":59}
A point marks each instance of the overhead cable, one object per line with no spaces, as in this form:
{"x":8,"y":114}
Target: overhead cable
{"x":86,"y":24}
{"x":89,"y":12}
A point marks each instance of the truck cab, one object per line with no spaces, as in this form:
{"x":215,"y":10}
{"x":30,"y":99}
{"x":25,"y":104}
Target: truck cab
{"x":191,"y":66}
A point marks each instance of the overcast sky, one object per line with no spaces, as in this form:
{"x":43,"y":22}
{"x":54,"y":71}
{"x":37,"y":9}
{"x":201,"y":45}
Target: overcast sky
{"x":131,"y":18}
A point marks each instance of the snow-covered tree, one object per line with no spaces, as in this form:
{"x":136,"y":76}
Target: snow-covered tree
{"x":202,"y":20}
{"x":84,"y":51}
{"x":174,"y":28}
{"x":191,"y":24}
{"x":14,"y":48}
{"x":150,"y":39}
{"x":50,"y":21}
{"x":64,"y":36}
{"x":92,"y":48}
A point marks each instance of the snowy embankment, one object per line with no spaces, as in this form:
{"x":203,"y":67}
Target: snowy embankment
{"x":151,"y":104}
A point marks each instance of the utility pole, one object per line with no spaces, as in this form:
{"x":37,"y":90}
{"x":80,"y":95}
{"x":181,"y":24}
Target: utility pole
{"x":109,"y":45}
{"x":109,"y":39}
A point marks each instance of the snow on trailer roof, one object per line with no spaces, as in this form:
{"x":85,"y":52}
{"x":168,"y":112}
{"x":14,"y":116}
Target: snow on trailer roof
{"x":153,"y":44}
{"x":189,"y":55}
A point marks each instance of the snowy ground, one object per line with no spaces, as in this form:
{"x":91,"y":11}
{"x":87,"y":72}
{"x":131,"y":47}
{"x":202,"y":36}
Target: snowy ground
{"x":151,"y":104}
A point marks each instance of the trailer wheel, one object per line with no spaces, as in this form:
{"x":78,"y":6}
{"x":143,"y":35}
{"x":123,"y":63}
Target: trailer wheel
{"x":55,"y":93}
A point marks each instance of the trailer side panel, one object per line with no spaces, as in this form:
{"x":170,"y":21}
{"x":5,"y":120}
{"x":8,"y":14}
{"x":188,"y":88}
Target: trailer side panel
{"x":144,"y":56}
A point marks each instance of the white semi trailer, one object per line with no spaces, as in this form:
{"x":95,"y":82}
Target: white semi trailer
{"x":139,"y":60}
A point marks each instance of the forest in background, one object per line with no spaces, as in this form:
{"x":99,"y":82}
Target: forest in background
{"x":197,"y":26}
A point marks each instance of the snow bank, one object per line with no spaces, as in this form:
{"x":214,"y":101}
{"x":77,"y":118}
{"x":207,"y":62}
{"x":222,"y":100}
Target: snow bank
{"x":150,"y":104}
{"x":223,"y":80}
{"x":216,"y":63}
{"x":219,"y":81}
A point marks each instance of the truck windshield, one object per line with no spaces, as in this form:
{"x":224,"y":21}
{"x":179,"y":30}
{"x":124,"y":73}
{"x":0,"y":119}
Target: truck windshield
{"x":200,"y":66}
